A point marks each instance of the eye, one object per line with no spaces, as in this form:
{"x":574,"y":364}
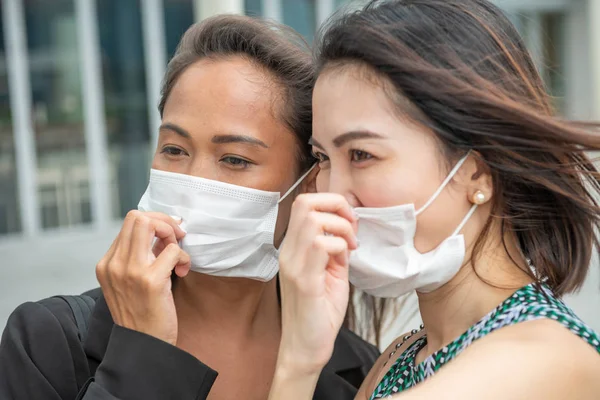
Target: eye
{"x":359,"y":156}
{"x":173,"y":151}
{"x":321,"y":157}
{"x":236,"y":162}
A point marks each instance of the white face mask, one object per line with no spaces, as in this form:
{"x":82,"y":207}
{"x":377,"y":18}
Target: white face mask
{"x":229,"y":229}
{"x":387,"y":264}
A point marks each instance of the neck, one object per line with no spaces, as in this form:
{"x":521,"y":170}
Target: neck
{"x":449,"y":311}
{"x":237,"y":306}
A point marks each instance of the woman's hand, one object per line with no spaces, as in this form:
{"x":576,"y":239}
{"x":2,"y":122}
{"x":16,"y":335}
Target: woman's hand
{"x":136,"y":281}
{"x":314,"y":280}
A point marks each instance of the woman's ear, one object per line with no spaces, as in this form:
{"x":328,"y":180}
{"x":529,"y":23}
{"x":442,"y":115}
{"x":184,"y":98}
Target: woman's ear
{"x":477,"y":178}
{"x":309,"y":185}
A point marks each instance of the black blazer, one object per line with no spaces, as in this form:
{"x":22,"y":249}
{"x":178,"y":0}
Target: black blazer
{"x":41,"y":357}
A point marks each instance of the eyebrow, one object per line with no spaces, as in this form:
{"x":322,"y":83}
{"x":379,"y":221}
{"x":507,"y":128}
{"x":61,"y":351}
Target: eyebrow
{"x":347,"y":137}
{"x":217,"y":139}
{"x":354,"y":135}
{"x":174,"y":128}
{"x":313,"y":142}
{"x":233,"y":138}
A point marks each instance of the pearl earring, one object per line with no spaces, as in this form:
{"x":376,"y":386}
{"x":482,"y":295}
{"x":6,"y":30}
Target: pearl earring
{"x":479,"y":198}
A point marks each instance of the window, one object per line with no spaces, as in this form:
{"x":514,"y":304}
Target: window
{"x":179,"y":16}
{"x":9,"y":204}
{"x":56,"y":108}
{"x":127,"y":121}
{"x":253,"y":7}
{"x":553,"y":24}
{"x":544,"y":35}
{"x":300,"y":15}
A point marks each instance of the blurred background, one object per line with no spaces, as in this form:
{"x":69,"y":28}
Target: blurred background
{"x":79,"y":85}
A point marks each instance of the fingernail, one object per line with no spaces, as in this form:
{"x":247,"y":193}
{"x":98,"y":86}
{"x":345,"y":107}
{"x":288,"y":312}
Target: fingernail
{"x":355,"y":214}
{"x":177,"y":219}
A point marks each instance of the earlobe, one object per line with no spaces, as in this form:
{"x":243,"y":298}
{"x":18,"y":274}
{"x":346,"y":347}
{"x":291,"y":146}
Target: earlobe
{"x":481,"y":182}
{"x":479,"y":198}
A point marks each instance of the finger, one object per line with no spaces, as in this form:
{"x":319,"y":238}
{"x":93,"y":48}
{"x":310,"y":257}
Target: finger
{"x":181,"y":270}
{"x":158,"y":247}
{"x":123,"y":241}
{"x":331,"y":245}
{"x":174,"y":222}
{"x":102,"y":274}
{"x":337,"y":252}
{"x":331,"y":224}
{"x":324,"y":202}
{"x":171,"y":257}
{"x":319,"y":252}
{"x":141,"y":241}
{"x":145,"y":229}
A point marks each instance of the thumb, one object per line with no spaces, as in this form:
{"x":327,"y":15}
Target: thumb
{"x":172,"y":258}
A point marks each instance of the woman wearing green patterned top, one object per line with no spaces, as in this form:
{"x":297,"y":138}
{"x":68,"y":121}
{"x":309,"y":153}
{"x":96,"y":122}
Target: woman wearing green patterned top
{"x":442,"y":170}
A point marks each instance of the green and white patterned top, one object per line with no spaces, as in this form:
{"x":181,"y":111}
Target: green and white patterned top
{"x":526,"y":304}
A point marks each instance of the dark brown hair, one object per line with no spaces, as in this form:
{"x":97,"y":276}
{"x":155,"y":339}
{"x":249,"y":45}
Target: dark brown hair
{"x":275,"y":48}
{"x":465,"y":70}
{"x":279,"y":51}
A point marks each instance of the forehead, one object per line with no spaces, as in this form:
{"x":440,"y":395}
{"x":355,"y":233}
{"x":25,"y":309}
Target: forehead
{"x":354,"y":99}
{"x":224,"y":92}
{"x":346,"y":99}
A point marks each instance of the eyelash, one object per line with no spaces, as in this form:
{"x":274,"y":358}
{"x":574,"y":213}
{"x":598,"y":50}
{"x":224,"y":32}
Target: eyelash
{"x":321,"y":157}
{"x":354,"y":152}
{"x":239,"y":163}
{"x":173,"y":151}
{"x":235,"y":162}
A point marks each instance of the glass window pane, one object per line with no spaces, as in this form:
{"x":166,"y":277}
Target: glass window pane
{"x":253,"y":7}
{"x":10,"y":221}
{"x":544,"y":34}
{"x":554,"y":52}
{"x":124,"y":80}
{"x":300,"y":15}
{"x":57,"y":111}
{"x":179,"y":15}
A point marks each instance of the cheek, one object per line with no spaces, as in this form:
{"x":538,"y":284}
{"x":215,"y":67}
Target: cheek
{"x":386,"y":189}
{"x":283,"y":218}
{"x":439,"y":221}
{"x":160,"y":162}
{"x":322,"y":181}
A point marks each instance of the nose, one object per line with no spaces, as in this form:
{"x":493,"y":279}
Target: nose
{"x":202,"y":167}
{"x":339,"y":182}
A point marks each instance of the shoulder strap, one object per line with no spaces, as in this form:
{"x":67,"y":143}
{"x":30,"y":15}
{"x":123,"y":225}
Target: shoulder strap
{"x":82,"y":307}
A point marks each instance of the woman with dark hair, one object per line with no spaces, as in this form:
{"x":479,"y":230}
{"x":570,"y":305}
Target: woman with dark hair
{"x":189,"y":286}
{"x":443,"y":170}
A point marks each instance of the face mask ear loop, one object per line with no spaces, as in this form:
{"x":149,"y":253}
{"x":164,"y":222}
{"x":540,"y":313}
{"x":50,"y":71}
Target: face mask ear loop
{"x":444,"y":184}
{"x":465,"y":220}
{"x":295,"y":185}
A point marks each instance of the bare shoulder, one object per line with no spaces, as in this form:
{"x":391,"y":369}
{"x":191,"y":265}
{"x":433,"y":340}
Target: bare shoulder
{"x":384,"y":362}
{"x":547,"y":339}
{"x":520,"y":361}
